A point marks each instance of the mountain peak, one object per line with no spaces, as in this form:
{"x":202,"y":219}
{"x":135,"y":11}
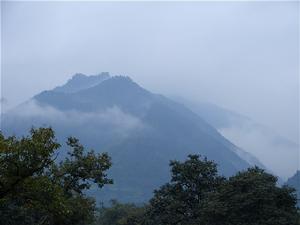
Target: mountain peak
{"x":122,"y":79}
{"x":78,"y":76}
{"x":81,"y":81}
{"x":120,"y":86}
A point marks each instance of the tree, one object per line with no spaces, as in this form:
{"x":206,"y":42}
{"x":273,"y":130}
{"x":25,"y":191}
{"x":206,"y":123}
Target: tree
{"x":181,"y":201}
{"x":35,"y":189}
{"x":250,"y":198}
{"x":121,"y":214}
{"x":197,"y":195}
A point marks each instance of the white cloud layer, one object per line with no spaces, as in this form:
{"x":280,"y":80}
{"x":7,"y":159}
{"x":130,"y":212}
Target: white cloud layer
{"x":114,"y":119}
{"x":277,"y":154}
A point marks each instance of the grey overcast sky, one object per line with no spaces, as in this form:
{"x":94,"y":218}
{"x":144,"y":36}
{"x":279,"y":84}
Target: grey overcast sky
{"x":240,"y":55}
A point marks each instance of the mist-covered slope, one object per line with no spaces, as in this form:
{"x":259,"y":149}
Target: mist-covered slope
{"x":294,"y":182}
{"x":276,"y":152}
{"x":140,"y":130}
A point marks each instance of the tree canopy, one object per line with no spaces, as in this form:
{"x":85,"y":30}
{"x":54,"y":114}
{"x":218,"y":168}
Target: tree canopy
{"x":36,"y":189}
{"x":181,"y":201}
{"x":196,"y":194}
{"x":121,"y":214}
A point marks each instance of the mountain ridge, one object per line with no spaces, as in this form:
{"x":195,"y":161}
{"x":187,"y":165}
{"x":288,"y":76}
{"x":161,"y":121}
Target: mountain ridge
{"x":262,"y":142}
{"x":81,"y":81}
{"x":141,"y":131}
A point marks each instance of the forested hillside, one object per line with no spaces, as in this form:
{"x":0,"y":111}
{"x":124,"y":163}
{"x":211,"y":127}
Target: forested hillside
{"x":36,"y":190}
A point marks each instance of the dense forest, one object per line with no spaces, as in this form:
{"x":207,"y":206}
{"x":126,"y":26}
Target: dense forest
{"x":37,"y":188}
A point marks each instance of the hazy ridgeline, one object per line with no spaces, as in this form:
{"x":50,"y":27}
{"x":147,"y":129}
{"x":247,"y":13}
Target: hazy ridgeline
{"x":205,"y":131}
{"x":131,"y":124}
{"x":140,"y":132}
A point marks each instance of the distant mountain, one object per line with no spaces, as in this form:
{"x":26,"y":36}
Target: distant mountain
{"x":140,"y":130}
{"x":80,"y":81}
{"x":294,"y":182}
{"x":277,"y":153}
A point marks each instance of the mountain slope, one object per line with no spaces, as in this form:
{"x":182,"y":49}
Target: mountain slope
{"x":142,"y":131}
{"x":277,"y":153}
{"x":294,"y":182}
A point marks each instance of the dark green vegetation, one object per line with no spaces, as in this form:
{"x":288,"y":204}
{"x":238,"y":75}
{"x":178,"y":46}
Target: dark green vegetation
{"x":121,"y":214}
{"x":197,"y":195}
{"x":131,"y":124}
{"x":34,"y":189}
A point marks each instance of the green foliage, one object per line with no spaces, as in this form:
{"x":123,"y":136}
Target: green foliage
{"x":181,"y":201}
{"x":197,"y":195}
{"x":250,"y":198}
{"x":121,"y":214}
{"x":34,"y":189}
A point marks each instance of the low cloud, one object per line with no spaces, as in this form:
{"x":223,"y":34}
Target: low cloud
{"x":278,"y":154}
{"x":113,"y":120}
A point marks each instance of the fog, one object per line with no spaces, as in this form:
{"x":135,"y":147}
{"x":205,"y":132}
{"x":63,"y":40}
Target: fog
{"x":239,"y":55}
{"x":276,"y":154}
{"x":114,"y":119}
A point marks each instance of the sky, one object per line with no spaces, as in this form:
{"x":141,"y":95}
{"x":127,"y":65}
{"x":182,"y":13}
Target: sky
{"x":243,"y":56}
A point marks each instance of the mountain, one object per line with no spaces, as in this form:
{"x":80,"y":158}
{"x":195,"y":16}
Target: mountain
{"x":140,"y":130}
{"x":294,"y":182}
{"x":80,"y":81}
{"x":279,"y":154}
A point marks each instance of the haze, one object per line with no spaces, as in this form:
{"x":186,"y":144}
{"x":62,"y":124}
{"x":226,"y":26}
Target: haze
{"x":240,"y":55}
